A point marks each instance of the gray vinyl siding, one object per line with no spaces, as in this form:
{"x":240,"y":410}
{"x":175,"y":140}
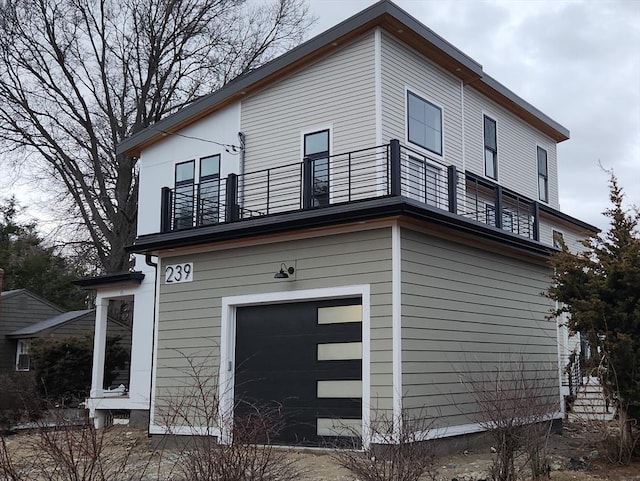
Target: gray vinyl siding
{"x":403,"y":68}
{"x":190,"y":313}
{"x":517,"y":147}
{"x":463,"y":310}
{"x":17,"y":311}
{"x":337,"y":90}
{"x":571,"y":235}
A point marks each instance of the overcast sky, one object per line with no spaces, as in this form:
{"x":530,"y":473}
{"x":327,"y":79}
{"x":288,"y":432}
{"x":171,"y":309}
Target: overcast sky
{"x":577,"y":61}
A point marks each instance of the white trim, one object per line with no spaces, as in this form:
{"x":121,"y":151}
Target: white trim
{"x":440,"y":158}
{"x":493,"y":117}
{"x":184,"y":430}
{"x":450,"y":431}
{"x":227,"y":342}
{"x":396,"y":326}
{"x":156,"y":308}
{"x":463,"y":132}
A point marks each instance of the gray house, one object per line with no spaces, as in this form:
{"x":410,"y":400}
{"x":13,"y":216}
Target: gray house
{"x":368,"y":215}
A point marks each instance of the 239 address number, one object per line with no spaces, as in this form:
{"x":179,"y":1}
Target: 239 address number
{"x":178,"y":273}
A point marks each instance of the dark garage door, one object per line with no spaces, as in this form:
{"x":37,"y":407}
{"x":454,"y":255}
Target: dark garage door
{"x":304,"y":361}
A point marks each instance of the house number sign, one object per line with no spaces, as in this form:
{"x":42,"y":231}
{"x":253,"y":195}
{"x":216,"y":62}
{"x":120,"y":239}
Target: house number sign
{"x":176,"y":273}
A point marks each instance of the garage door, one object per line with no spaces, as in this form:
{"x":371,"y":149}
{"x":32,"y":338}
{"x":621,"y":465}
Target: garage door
{"x":303,"y":360}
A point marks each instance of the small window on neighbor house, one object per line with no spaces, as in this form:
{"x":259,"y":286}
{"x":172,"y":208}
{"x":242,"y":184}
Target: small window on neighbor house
{"x":23,"y":360}
{"x":543,"y":175}
{"x":558,"y":239}
{"x":490,"y":148}
{"x":424,"y":123}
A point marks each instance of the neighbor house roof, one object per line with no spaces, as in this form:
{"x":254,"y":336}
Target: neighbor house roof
{"x":50,"y":323}
{"x":383,"y":14}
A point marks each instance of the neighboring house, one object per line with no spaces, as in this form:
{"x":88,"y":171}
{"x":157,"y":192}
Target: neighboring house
{"x":343,"y":231}
{"x":20,"y":309}
{"x":25,"y":317}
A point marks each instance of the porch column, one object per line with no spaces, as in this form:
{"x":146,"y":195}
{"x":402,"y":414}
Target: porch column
{"x":99,"y":348}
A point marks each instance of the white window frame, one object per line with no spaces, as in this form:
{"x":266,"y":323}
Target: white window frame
{"x":427,"y":98}
{"x":197,"y":168}
{"x":553,"y":240}
{"x":546,"y":151}
{"x":496,"y":166}
{"x":23,"y":347}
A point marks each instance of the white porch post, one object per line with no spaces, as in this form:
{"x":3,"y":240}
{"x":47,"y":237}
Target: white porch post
{"x":99,"y":347}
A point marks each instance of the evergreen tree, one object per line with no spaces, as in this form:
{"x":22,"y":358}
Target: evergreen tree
{"x":29,"y":264}
{"x":600,"y":289}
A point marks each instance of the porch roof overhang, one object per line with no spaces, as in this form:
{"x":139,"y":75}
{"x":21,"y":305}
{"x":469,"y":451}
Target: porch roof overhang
{"x":109,"y":280}
{"x":384,"y":14}
{"x":359,"y":211}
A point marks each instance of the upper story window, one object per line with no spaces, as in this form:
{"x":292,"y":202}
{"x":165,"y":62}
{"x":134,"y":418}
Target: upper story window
{"x":184,"y":194}
{"x":23,"y":359}
{"x":207,"y":194}
{"x":316,"y":148}
{"x":558,"y":239}
{"x":424,"y":123}
{"x":543,"y":175}
{"x":490,"y":148}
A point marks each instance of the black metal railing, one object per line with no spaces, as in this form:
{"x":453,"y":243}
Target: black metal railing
{"x":386,"y":170}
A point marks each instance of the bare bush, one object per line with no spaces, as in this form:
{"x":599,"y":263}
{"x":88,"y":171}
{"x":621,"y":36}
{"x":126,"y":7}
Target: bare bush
{"x":403,"y":456}
{"x":248,"y":454}
{"x":60,"y":449}
{"x":515,"y":404}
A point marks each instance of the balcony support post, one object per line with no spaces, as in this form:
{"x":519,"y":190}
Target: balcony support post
{"x":396,"y":172}
{"x":536,"y":221}
{"x":307,"y":183}
{"x":165,"y":209}
{"x":232,"y":210}
{"x":452,"y":185}
{"x":498,"y":216}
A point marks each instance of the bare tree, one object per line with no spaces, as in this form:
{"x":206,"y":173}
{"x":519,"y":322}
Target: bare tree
{"x":79,"y":76}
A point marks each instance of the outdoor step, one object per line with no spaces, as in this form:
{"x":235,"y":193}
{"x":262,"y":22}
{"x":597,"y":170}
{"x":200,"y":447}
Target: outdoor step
{"x":591,"y":410}
{"x":583,"y":417}
{"x":590,"y":402}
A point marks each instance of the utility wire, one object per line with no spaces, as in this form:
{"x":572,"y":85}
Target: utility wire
{"x":230,"y":148}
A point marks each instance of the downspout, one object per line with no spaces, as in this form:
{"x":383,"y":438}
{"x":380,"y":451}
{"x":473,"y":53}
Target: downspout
{"x":150,"y":263}
{"x":241,"y":138}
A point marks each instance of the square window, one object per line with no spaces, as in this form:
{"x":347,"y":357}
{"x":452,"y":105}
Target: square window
{"x":424,"y":123}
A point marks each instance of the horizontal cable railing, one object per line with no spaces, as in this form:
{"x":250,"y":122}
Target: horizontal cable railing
{"x":386,"y":170}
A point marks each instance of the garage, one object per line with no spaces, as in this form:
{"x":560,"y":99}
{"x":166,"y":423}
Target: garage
{"x":302,"y":360}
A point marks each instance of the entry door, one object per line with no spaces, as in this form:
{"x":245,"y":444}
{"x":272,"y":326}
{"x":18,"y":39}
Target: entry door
{"x":304,"y":361}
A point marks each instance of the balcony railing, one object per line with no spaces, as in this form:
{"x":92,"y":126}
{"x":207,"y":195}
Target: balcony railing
{"x":382,"y":171}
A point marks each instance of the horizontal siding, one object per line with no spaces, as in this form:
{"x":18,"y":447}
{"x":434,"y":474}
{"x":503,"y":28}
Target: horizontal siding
{"x":402,"y":68}
{"x":464,"y":310}
{"x":337,"y":90}
{"x":571,"y":235}
{"x":517,"y":151}
{"x":190,"y":313}
{"x":16,"y":312}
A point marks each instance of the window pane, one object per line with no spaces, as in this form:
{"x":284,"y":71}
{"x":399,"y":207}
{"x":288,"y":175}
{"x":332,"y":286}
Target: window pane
{"x":489,"y":164}
{"x":316,"y":143}
{"x":209,"y":167}
{"x":185,"y":172}
{"x":542,"y":188}
{"x":490,"y":133}
{"x":542,"y":162}
{"x":424,"y":123}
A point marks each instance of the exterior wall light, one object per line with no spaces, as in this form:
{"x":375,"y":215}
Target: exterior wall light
{"x":284,"y":272}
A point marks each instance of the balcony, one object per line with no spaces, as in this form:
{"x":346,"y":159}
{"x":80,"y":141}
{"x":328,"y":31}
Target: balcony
{"x":390,"y":170}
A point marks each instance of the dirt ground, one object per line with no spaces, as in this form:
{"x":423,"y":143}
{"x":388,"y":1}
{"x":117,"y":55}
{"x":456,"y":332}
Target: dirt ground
{"x":573,"y":456}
